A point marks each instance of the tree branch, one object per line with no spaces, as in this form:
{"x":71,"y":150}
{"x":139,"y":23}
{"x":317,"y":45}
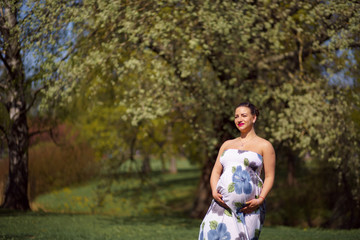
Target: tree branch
{"x":49,"y":131}
{"x":264,"y":63}
{"x":75,"y":46}
{"x":168,"y":60}
{"x":32,"y":134}
{"x":53,"y":137}
{"x":34,"y":98}
{"x":6,"y":64}
{"x":223,"y":76}
{"x":2,"y":20}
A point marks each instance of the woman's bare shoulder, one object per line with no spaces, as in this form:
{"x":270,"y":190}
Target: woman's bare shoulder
{"x":228,"y":143}
{"x":265,"y":144}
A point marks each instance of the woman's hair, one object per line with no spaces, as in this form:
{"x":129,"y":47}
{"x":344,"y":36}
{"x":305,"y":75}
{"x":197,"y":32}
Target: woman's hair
{"x":253,"y":109}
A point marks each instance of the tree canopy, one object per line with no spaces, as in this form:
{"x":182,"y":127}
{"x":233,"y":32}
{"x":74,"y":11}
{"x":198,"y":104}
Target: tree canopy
{"x":181,"y":67}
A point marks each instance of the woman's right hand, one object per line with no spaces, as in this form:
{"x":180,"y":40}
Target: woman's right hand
{"x":218,"y":197}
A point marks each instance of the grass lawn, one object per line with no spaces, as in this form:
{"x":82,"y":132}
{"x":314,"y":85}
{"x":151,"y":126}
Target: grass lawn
{"x":162,"y":194}
{"x":70,"y":226}
{"x":158,"y":210}
{"x":54,"y":226}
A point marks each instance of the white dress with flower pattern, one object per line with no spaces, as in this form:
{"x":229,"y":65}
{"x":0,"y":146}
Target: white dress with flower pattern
{"x":239,"y":182}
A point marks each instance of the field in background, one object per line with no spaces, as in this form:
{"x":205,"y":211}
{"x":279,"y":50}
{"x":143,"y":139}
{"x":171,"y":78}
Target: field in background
{"x":161,"y":193}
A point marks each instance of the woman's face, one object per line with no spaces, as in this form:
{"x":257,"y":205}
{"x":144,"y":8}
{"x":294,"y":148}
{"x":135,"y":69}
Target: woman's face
{"x":244,"y":120}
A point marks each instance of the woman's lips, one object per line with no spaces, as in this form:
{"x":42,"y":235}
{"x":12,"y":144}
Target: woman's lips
{"x":240,"y":124}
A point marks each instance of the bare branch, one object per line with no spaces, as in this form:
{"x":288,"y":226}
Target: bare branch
{"x":34,"y":98}
{"x":48,"y":131}
{"x":222,"y":75}
{"x":276,"y":58}
{"x":6,"y":64}
{"x":2,"y":20}
{"x":32,"y":134}
{"x":75,"y":46}
{"x":53,"y":138}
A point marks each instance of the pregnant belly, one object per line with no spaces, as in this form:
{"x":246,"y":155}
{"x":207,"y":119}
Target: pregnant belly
{"x":235,"y":194}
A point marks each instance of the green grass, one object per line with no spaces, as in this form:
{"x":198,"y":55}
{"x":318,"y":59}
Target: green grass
{"x":68,"y":226}
{"x":54,"y":226}
{"x":164,"y":194}
{"x":289,"y":233}
{"x":158,"y":210}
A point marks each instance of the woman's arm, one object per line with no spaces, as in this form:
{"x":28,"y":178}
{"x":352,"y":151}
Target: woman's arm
{"x":215,"y":176}
{"x":269,"y":168}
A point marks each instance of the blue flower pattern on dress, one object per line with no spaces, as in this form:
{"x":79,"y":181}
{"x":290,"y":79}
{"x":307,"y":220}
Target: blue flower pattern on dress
{"x":242,"y":181}
{"x":220,"y":233}
{"x":201,"y":235}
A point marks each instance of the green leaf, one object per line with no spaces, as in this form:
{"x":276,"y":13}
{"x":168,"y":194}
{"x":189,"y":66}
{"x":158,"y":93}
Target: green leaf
{"x":227,"y":212}
{"x":213,"y":225}
{"x":233,"y":170}
{"x":231,"y":187}
{"x":238,"y":204}
{"x":246,"y":162}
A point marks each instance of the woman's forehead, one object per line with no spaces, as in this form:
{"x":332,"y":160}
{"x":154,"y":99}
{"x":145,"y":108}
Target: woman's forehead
{"x":242,"y":109}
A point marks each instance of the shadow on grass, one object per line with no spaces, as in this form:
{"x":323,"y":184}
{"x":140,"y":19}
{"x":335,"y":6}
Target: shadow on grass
{"x":153,"y":220}
{"x":19,"y":213}
{"x":16,"y":236}
{"x":184,"y":178}
{"x":173,"y":219}
{"x":104,"y":221}
{"x":14,"y":213}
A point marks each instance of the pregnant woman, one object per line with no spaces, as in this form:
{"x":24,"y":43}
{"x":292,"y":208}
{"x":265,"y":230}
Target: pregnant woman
{"x":237,"y":211}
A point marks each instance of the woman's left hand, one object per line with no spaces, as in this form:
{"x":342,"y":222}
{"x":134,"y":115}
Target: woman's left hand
{"x":252,"y":205}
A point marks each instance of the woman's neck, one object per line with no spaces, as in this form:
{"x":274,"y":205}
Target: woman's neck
{"x":248,"y":134}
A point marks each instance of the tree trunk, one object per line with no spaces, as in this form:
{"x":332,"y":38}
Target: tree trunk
{"x":173,"y":168}
{"x":16,"y":132}
{"x":146,"y":167}
{"x":16,"y":190}
{"x":203,"y":198}
{"x":291,"y":181}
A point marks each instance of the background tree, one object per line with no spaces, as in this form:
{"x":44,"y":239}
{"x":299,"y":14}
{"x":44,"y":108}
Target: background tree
{"x":14,"y":99}
{"x":29,"y":55}
{"x":139,"y":62}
